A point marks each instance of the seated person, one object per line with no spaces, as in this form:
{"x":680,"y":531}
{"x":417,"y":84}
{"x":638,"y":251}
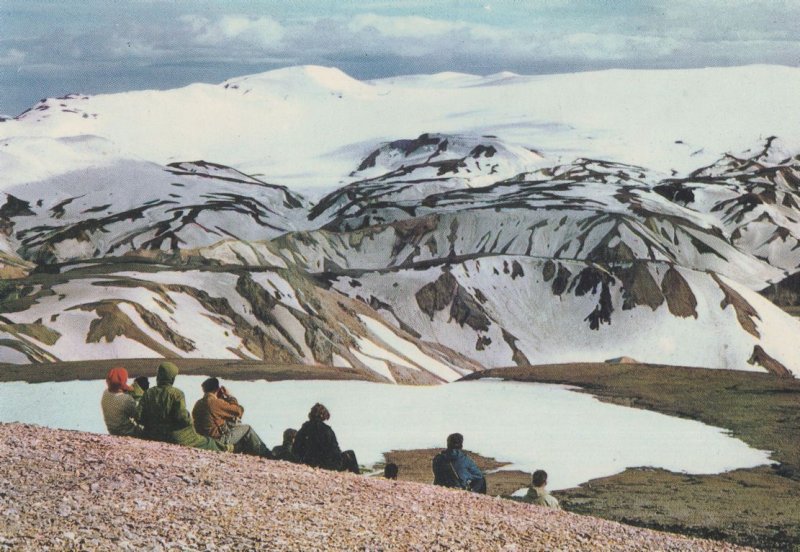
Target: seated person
{"x":217,"y":415}
{"x":140,"y":385}
{"x":538,"y":491}
{"x":453,"y":468}
{"x":390,"y":471}
{"x":162,"y":412}
{"x":316,"y":445}
{"x":284,"y":450}
{"x":119,"y":408}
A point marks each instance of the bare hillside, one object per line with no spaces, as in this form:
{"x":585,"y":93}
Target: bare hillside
{"x":71,"y":490}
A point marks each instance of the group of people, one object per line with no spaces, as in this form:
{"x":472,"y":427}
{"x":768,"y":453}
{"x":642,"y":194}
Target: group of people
{"x":159,"y":413}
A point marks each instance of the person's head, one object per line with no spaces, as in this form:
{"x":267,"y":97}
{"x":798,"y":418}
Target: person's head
{"x":319,"y":413}
{"x":167,"y":372}
{"x":117,"y":380}
{"x":288,"y":436}
{"x":539,"y":478}
{"x":455,"y":441}
{"x":142,"y":382}
{"x":211,"y":385}
{"x":390,"y":470}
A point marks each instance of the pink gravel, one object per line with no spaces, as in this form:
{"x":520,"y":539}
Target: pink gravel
{"x":69,"y":490}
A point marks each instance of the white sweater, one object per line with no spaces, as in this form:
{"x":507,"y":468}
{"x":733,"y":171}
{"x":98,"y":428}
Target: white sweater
{"x":119,"y":412}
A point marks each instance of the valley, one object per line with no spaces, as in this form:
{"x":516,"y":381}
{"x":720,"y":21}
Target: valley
{"x":611,"y":234}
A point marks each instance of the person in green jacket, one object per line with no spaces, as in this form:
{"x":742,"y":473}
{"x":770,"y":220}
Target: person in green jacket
{"x":162,"y":412}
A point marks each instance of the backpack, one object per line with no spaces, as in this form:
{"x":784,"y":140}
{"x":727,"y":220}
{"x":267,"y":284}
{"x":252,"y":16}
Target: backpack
{"x":444,"y":474}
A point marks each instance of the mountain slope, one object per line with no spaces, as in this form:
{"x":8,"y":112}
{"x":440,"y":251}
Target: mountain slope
{"x":140,"y":310}
{"x":467,"y":222}
{"x":130,"y":205}
{"x":505,"y":310}
{"x":589,"y":210}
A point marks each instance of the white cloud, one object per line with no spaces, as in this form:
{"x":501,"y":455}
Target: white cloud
{"x":12,"y":56}
{"x":256,"y":31}
{"x":613,"y":46}
{"x":417,"y":27}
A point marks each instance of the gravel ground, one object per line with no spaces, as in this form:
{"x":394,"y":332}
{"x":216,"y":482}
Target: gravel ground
{"x":68,"y":490}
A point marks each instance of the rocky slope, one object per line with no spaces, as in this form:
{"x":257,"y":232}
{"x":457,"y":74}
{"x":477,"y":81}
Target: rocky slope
{"x":71,"y":490}
{"x":149,"y":309}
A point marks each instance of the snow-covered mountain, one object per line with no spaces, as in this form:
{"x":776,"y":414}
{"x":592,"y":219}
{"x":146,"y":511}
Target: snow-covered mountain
{"x":454,"y":222}
{"x":310,"y":126}
{"x":136,"y":205}
{"x":123,"y":309}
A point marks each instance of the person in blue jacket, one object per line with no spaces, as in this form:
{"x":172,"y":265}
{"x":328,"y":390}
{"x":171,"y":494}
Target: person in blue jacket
{"x":453,"y":468}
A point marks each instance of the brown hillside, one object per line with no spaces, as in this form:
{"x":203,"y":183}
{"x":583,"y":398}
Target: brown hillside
{"x":78,"y":491}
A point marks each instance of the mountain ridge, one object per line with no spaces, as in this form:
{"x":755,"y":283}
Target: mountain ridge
{"x":435,"y":254}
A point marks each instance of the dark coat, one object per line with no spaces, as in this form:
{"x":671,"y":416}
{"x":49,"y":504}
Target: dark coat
{"x":316,"y":445}
{"x":282,"y":452}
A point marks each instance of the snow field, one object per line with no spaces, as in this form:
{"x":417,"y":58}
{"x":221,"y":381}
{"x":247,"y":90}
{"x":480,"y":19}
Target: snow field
{"x":231,"y":252}
{"x":657,"y":119}
{"x":186,"y":318}
{"x":572,"y":435}
{"x":409,"y":350}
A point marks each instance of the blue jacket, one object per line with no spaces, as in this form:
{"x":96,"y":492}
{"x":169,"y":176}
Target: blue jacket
{"x":464,"y":466}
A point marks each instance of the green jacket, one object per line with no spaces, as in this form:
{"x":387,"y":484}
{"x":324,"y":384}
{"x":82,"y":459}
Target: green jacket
{"x":162,"y":412}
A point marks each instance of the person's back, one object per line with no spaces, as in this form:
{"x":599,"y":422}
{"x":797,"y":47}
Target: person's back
{"x":538,"y":493}
{"x":215,"y":412}
{"x":217,"y":415}
{"x":162,"y":412}
{"x":444,"y":473}
{"x":316,"y":445}
{"x":390,"y":471}
{"x":160,"y":409}
{"x":453,"y":468}
{"x":119,"y":408}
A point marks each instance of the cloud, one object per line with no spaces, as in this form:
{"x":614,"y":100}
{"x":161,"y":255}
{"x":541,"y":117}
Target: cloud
{"x":411,"y":26}
{"x":613,"y":46}
{"x":376,"y":38}
{"x":256,"y":31}
{"x":573,"y":34}
{"x":12,"y":56}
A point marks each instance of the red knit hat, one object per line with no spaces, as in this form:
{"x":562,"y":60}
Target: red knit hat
{"x":117,"y":380}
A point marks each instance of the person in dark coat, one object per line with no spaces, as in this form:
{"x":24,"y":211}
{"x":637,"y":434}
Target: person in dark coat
{"x":390,"y":471}
{"x":284,"y":450}
{"x":316,"y":445}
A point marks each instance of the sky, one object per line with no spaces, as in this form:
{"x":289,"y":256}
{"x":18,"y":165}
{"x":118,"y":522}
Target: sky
{"x":50,"y":48}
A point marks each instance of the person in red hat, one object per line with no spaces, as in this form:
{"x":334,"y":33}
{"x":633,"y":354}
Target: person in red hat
{"x":119,"y":407}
